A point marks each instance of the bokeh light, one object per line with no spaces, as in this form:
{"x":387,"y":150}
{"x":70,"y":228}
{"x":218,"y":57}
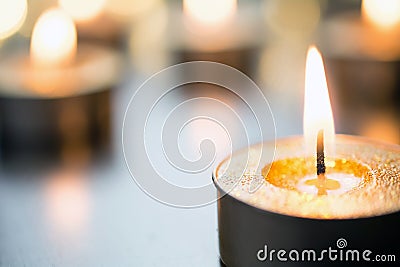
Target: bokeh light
{"x":12,"y":16}
{"x":381,"y":13}
{"x":209,"y":12}
{"x":67,"y":202}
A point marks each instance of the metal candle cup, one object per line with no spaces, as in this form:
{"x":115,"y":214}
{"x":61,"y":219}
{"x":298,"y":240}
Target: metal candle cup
{"x":280,"y":216}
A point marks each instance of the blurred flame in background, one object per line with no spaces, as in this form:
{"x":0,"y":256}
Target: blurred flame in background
{"x":54,"y":39}
{"x":384,"y":14}
{"x":210,"y":14}
{"x":83,"y":10}
{"x":12,"y":16}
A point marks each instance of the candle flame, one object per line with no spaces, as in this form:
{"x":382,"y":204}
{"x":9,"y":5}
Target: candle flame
{"x":317,"y":107}
{"x":210,"y":12}
{"x":380,"y":13}
{"x":54,"y":39}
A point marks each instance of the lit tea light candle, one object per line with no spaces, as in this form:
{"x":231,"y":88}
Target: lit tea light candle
{"x":319,"y":129}
{"x":318,"y":188}
{"x":58,"y":73}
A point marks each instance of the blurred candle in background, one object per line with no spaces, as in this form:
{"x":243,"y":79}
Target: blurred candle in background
{"x":381,"y":22}
{"x":363,"y":58}
{"x":224,"y":31}
{"x":370,"y":34}
{"x":60,"y":86}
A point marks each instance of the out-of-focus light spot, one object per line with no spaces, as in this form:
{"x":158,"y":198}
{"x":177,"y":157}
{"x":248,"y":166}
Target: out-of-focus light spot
{"x":83,"y":10}
{"x":67,"y":202}
{"x":130,"y":9}
{"x":209,"y":13}
{"x":54,"y":39}
{"x":12,"y":16}
{"x":382,"y":13}
{"x":292,"y":17}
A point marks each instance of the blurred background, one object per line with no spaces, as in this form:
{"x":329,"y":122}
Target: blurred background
{"x":68,"y":69}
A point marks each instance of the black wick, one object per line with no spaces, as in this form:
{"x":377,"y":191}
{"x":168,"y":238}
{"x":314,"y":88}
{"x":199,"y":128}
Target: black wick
{"x":320,"y":153}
